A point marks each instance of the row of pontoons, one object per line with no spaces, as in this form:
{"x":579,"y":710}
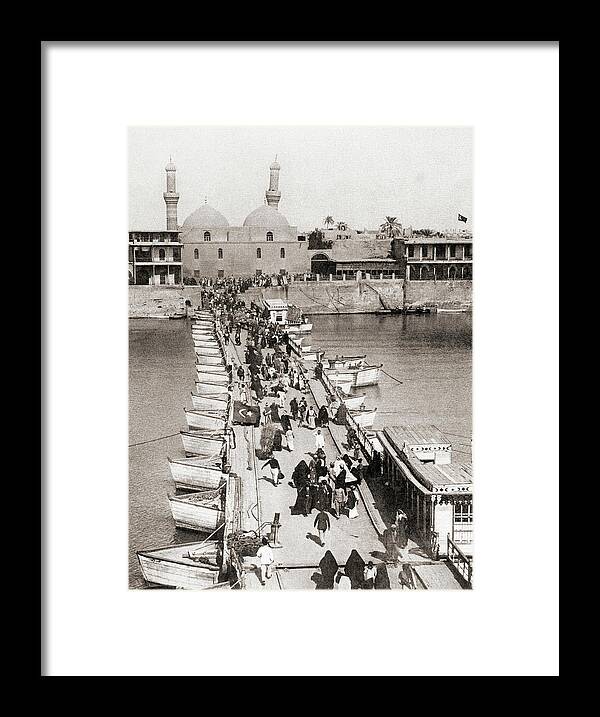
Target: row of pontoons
{"x":201,"y":477}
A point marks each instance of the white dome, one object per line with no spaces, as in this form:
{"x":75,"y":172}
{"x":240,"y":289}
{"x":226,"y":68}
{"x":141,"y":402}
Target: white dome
{"x":265,"y":217}
{"x":205,"y":217}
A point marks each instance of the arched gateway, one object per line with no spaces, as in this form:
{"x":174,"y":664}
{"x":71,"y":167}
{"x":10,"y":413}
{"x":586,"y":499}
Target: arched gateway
{"x":322,"y":264}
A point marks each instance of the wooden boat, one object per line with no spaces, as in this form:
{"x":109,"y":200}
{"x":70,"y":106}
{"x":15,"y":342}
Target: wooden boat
{"x":208,"y":388}
{"x":342,"y":362}
{"x":212,"y":368}
{"x":202,"y":360}
{"x":336,"y":377}
{"x":211,"y":402}
{"x":461,"y":310}
{"x":197,"y":473}
{"x":364,"y":417}
{"x":298,"y":328}
{"x":220,"y":378}
{"x":352,"y":401}
{"x":204,"y":335}
{"x":362,"y":376}
{"x":199,"y":511}
{"x":203,"y":443}
{"x":208,"y":351}
{"x":366,"y":376}
{"x":178,"y":315}
{"x":207,"y":420}
{"x":206,"y":343}
{"x":172,"y":566}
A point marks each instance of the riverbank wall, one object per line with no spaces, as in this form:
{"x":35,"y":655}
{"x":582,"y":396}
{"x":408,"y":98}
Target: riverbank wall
{"x":316,"y":297}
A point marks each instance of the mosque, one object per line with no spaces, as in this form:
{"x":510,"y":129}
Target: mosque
{"x":265,"y":244}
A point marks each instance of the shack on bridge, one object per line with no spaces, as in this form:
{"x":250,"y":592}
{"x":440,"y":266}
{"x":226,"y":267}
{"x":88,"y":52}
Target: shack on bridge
{"x":435,"y":493}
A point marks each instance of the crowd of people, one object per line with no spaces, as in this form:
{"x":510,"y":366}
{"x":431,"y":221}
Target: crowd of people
{"x":325,"y":486}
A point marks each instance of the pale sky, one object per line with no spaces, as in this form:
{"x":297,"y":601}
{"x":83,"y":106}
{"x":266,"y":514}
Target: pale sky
{"x":421,"y":175}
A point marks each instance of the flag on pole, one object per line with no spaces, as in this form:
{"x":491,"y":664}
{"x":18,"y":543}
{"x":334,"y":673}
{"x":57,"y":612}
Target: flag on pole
{"x":462,"y":219}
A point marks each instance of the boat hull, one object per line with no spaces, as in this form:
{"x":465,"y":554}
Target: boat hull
{"x":204,"y":388}
{"x":209,"y":403}
{"x":216,"y":421}
{"x":208,"y":351}
{"x":171,"y":569}
{"x":221,"y":379}
{"x":364,"y":419}
{"x":202,"y":360}
{"x":190,"y":476}
{"x":368,"y":376}
{"x":353,"y":402}
{"x":205,"y":516}
{"x":202,"y":445}
{"x":212,"y":368}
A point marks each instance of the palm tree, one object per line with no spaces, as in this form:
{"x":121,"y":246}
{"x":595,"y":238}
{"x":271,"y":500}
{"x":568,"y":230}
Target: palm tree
{"x":391,"y":228}
{"x":328,"y":221}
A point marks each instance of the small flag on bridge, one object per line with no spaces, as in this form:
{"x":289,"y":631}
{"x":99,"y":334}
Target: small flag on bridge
{"x":461,"y":218}
{"x":245,"y":415}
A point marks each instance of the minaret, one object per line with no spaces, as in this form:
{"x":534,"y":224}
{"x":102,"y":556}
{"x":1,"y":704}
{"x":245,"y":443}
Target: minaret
{"x":273,"y":194}
{"x":171,"y":196}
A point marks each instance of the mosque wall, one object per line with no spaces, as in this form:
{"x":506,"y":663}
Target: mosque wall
{"x":240,"y":258}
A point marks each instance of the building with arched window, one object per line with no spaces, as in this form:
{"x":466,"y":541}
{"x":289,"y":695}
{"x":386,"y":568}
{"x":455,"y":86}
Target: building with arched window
{"x":265,"y":242}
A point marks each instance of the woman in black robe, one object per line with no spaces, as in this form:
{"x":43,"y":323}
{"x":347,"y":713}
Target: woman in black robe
{"x":355,"y":570}
{"x":275,"y":413}
{"x":301,"y":506}
{"x":277,"y":441}
{"x":300,"y":475}
{"x":382,"y":579}
{"x":341,"y":413}
{"x":328,"y":567}
{"x":340,"y":479}
{"x":323,"y":417}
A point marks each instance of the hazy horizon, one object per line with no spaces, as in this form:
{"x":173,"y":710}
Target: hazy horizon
{"x":360,"y":175}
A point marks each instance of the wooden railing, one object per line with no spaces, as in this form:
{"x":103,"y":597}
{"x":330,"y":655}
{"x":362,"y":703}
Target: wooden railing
{"x":461,"y":562}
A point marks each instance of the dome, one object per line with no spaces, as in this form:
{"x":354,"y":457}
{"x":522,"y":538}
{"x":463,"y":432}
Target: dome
{"x":205,"y":217}
{"x":265,"y":216}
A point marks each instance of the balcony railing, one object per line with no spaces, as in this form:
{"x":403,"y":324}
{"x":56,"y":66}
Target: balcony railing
{"x":461,"y":562}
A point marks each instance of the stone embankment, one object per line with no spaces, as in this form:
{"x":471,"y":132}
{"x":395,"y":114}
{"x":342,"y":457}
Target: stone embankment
{"x":317,"y":297}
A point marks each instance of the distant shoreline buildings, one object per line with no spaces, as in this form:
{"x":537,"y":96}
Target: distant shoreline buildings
{"x":206,"y":245}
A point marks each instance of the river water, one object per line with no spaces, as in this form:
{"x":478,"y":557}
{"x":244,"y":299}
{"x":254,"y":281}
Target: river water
{"x":430,"y":355}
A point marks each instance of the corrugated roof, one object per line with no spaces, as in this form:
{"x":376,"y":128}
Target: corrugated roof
{"x":415,"y":434}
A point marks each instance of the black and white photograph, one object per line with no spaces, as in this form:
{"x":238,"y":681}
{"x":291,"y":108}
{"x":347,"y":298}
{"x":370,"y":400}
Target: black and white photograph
{"x":329,"y":386}
{"x":300,"y":304}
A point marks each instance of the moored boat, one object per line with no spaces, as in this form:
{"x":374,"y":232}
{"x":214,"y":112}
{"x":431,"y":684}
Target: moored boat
{"x":361,"y":376}
{"x":220,"y":378}
{"x":211,"y":368}
{"x":209,"y":420}
{"x":192,"y":566}
{"x":298,"y":328}
{"x":203,"y":442}
{"x":342,"y":362}
{"x":206,"y":343}
{"x":197,"y":473}
{"x":363,"y":417}
{"x":208,"y":388}
{"x":201,"y":511}
{"x":351,"y":401}
{"x":208,"y":351}
{"x":366,"y":376}
{"x":177,"y":315}
{"x":211,"y":402}
{"x":204,"y":360}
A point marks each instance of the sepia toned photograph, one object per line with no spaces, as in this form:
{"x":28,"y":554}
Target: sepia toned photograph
{"x":300,"y":318}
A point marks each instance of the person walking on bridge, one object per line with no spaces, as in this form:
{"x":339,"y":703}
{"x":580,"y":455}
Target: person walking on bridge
{"x":266,"y":557}
{"x":322,"y":525}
